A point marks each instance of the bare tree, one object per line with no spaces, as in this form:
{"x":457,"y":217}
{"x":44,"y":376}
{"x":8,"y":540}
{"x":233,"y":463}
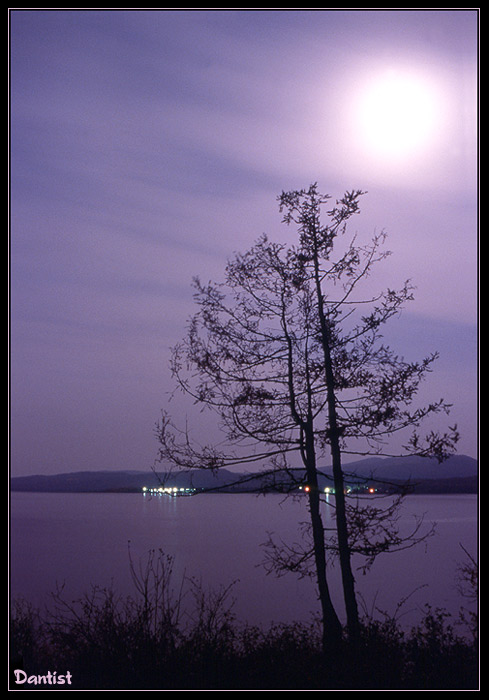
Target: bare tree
{"x":293,"y":364}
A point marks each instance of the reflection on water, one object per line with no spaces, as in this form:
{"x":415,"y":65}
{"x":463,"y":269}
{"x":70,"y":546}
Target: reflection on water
{"x":83,"y":539}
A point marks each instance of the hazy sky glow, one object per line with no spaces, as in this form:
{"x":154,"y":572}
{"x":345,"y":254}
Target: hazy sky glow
{"x":148,"y":146}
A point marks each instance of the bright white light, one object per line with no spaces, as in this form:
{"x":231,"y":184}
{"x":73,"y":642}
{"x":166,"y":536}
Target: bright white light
{"x":398,"y":115}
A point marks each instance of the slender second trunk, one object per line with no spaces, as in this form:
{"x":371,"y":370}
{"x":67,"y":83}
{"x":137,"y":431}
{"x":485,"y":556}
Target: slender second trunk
{"x":348,"y":580}
{"x":332,"y":629}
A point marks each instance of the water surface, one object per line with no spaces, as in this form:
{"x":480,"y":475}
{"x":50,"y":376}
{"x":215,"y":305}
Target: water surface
{"x":81,"y":540}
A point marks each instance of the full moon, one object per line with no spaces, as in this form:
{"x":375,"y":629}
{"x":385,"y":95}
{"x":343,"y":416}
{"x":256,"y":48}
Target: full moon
{"x":397,"y":115}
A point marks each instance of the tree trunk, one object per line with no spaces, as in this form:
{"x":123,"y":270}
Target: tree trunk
{"x":331,"y":625}
{"x":340,"y":501}
{"x":348,"y":580}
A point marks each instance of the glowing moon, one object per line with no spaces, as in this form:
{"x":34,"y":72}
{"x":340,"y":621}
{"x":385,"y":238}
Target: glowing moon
{"x":397,"y":115}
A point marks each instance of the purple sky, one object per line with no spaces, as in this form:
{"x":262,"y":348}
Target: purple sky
{"x":148,"y":146}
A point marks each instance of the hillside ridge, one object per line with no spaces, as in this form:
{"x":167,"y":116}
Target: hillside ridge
{"x":458,"y":470}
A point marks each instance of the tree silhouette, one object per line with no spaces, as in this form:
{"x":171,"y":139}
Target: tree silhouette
{"x":291,"y":359}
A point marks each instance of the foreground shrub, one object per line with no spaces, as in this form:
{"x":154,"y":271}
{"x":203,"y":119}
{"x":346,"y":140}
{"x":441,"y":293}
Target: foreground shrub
{"x":154,"y":641}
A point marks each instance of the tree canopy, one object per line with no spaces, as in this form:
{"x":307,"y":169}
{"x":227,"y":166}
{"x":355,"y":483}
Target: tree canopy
{"x":290,"y":356}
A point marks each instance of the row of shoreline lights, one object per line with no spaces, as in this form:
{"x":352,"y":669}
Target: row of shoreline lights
{"x":167,"y":490}
{"x":174,"y":490}
{"x":328,"y":490}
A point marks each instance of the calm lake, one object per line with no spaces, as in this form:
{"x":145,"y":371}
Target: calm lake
{"x":81,"y":540}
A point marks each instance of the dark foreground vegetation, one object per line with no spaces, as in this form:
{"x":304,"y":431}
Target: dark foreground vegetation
{"x":150,"y":642}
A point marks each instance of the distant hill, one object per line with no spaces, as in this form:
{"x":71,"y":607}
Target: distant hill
{"x":414,"y":468}
{"x":457,"y":474}
{"x":114,"y":481}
